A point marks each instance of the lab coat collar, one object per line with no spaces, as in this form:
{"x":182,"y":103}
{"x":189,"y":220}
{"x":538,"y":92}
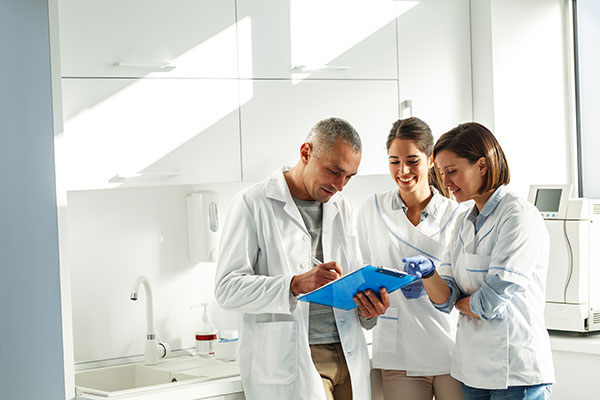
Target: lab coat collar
{"x":489,"y":205}
{"x":493,"y":201}
{"x":277,"y":189}
{"x":430,"y":209}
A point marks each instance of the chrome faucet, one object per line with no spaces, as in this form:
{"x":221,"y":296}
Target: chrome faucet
{"x":154,"y":350}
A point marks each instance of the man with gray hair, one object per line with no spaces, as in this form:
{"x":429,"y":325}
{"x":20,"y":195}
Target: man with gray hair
{"x":290,"y":349}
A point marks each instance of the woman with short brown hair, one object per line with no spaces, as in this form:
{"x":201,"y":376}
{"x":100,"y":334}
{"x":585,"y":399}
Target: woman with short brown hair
{"x":494,"y":273}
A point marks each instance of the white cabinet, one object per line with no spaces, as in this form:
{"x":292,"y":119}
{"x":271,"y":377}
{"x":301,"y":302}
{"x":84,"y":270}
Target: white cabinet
{"x":397,"y":54}
{"x":148,"y":132}
{"x":335,"y":39}
{"x":576,"y":360}
{"x":278,"y":115}
{"x":148,"y":38}
{"x":434,"y":63}
{"x":361,"y":59}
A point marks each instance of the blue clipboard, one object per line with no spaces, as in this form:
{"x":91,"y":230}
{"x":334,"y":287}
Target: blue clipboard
{"x":339,"y":293}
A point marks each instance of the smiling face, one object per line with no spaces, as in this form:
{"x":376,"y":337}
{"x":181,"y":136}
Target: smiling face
{"x":460,"y":176}
{"x":329,"y":171}
{"x":409,"y":166}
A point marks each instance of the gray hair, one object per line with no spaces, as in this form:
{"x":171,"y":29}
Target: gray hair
{"x":327,"y":131}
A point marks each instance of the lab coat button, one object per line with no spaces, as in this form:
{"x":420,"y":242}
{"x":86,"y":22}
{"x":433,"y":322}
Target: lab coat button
{"x":305,"y":238}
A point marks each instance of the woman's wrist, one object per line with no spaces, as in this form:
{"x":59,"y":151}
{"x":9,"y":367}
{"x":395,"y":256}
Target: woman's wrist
{"x":430,"y":273}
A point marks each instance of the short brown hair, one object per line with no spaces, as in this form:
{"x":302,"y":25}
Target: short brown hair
{"x":473,"y":141}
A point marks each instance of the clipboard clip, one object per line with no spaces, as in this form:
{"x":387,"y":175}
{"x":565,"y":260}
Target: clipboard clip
{"x":389,"y":272}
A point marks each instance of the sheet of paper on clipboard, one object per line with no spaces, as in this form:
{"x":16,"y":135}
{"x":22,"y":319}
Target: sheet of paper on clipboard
{"x":339,"y":293}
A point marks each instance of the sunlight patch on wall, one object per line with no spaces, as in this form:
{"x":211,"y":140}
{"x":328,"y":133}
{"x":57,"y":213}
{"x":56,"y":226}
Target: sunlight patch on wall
{"x":130,"y":124}
{"x":244,"y":27}
{"x":322,"y":31}
{"x":205,"y":54}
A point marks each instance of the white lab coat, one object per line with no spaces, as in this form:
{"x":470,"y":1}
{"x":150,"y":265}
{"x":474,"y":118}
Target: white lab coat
{"x":515,"y":349}
{"x":263,"y":244}
{"x":386,"y":236}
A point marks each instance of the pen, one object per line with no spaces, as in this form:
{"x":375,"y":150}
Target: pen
{"x":315,"y":261}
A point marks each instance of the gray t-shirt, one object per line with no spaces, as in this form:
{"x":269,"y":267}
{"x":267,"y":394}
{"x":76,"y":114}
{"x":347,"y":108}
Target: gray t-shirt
{"x":321,"y":323}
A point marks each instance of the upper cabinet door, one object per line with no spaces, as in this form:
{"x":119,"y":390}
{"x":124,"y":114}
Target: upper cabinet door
{"x":156,"y":38}
{"x":304,"y":39}
{"x":144,"y":132}
{"x":276,"y":116}
{"x":434,"y":53}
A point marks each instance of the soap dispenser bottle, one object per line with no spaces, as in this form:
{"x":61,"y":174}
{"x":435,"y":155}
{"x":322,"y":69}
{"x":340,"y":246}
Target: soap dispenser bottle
{"x":206,"y":335}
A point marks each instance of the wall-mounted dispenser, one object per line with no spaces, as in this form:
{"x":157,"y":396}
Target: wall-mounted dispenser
{"x":203,"y":225}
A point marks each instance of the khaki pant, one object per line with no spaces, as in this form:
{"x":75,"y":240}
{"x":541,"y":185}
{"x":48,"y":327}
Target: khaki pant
{"x":398,"y":386}
{"x":330,"y":362}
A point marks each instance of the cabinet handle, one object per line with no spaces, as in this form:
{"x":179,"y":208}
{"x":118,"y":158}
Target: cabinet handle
{"x":308,"y":68}
{"x":144,"y":67}
{"x":142,"y":176}
{"x":406,"y":109}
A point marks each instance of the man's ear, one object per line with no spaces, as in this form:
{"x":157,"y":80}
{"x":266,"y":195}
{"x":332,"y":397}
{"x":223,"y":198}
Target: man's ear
{"x":306,"y":152}
{"x":483,"y":166}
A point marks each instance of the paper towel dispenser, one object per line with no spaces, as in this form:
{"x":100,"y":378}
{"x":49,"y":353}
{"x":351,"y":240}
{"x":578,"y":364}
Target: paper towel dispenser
{"x":203,"y":225}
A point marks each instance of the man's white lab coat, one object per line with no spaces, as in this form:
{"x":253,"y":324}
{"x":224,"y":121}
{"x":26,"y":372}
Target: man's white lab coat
{"x":265,"y":243}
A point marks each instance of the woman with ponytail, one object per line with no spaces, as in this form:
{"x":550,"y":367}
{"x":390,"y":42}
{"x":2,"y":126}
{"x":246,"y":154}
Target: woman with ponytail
{"x":415,"y":218}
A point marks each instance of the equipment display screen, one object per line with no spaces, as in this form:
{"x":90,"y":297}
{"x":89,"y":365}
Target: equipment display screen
{"x":548,"y":199}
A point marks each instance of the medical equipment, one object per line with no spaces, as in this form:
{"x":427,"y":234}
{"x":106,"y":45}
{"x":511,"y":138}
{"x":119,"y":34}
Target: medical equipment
{"x":573,"y":281}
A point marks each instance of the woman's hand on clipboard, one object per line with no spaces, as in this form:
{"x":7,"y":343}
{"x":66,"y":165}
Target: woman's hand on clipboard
{"x":370,"y":305}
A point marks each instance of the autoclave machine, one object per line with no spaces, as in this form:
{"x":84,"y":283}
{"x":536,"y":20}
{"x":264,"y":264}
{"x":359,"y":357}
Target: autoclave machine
{"x":573,"y":281}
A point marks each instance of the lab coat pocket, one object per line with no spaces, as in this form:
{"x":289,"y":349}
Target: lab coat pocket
{"x":275,"y":352}
{"x":475,"y":269}
{"x":387,"y":331}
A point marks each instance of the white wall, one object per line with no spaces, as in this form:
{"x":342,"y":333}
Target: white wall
{"x":118,"y":234}
{"x":522,"y":86}
{"x":31,"y":337}
{"x":588,"y":16}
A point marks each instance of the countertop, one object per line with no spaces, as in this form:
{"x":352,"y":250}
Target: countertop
{"x":575,"y":343}
{"x":227,"y":384}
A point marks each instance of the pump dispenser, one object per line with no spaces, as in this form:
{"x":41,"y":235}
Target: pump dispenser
{"x":206,"y":335}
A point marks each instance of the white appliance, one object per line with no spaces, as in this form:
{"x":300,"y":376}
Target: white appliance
{"x":573,"y":282}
